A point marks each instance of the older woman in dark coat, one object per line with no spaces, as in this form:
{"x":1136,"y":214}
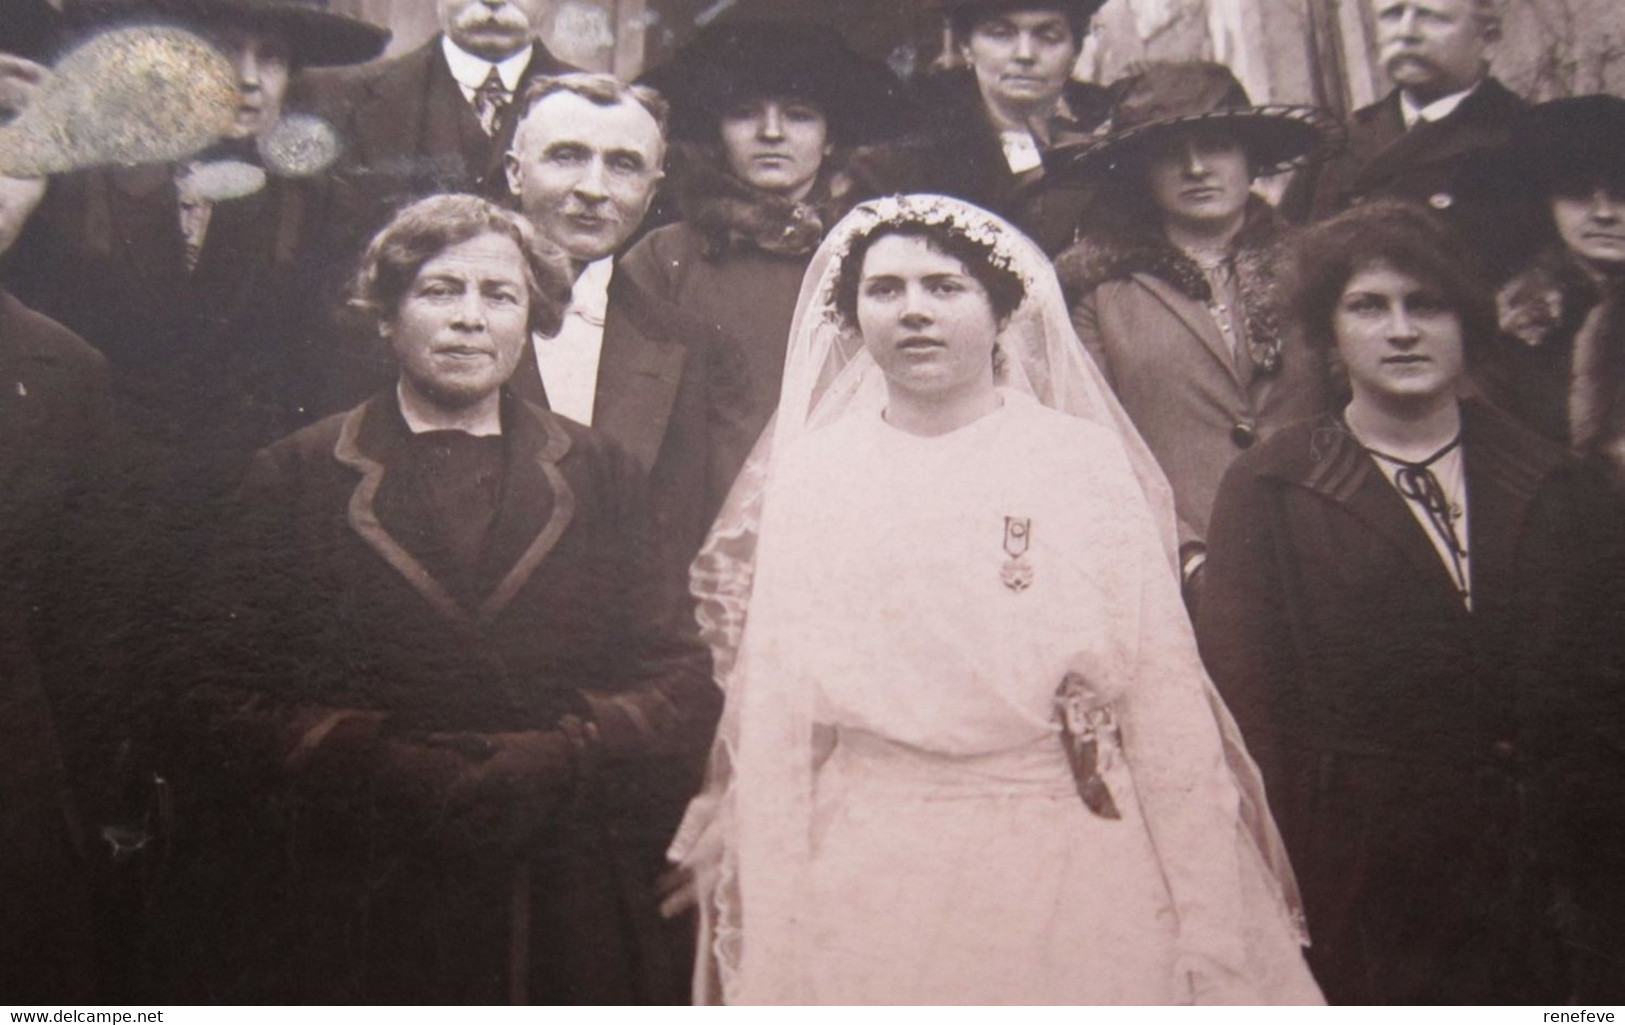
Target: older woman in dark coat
{"x":765,"y":116}
{"x":1173,"y":292}
{"x":447,"y":696}
{"x":1413,"y":608}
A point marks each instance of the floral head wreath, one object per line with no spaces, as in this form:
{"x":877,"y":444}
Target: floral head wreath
{"x":935,"y":211}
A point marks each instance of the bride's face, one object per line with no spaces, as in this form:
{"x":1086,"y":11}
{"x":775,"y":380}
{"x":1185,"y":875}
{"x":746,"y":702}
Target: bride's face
{"x":925,"y":319}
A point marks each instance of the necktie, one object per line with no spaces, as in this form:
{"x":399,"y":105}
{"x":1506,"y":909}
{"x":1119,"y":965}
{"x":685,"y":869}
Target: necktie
{"x":489,"y":99}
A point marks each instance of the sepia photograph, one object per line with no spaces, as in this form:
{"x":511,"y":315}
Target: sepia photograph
{"x":812,"y":502}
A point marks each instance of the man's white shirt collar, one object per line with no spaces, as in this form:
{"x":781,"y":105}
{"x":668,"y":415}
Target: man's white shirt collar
{"x":471,"y":71}
{"x":1438,"y":110}
{"x":589,"y":297}
{"x":568,"y":362}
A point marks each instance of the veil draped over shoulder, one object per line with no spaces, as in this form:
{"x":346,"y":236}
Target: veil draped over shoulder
{"x":746,"y":836}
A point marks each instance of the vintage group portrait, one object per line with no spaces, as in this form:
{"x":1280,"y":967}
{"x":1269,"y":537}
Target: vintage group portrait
{"x":776,"y":502}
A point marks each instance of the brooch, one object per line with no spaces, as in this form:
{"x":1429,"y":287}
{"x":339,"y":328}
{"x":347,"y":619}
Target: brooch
{"x":1017,"y":572}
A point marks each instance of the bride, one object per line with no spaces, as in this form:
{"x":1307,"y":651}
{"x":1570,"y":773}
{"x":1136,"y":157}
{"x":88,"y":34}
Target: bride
{"x":969,"y":753}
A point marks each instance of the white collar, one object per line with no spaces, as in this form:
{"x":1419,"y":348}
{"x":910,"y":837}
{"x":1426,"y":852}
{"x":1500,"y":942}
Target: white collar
{"x":471,"y":71}
{"x":1438,"y":110}
{"x":589,"y":297}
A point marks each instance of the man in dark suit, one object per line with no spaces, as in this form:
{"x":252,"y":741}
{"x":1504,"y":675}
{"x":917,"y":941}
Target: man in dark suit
{"x":436,"y":119}
{"x":671,"y":389}
{"x":1428,"y":139}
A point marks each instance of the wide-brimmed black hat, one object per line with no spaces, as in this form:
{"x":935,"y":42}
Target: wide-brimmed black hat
{"x":317,"y":36}
{"x":962,"y":14}
{"x":730,"y":62}
{"x":1576,"y":140}
{"x":1166,"y":96}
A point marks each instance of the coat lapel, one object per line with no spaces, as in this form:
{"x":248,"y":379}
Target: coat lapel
{"x":1189,"y":312}
{"x":1345,"y":474}
{"x":364,"y":445}
{"x":1503,"y":476}
{"x":522,"y":536}
{"x":638,"y":377}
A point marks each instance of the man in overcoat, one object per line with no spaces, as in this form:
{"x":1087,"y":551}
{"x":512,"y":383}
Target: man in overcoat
{"x":442,"y":678}
{"x":1427,"y":140}
{"x":670,"y":388}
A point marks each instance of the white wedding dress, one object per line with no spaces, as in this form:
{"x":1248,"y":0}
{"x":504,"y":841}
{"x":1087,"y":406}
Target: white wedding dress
{"x":952,"y":860}
{"x":890,"y":791}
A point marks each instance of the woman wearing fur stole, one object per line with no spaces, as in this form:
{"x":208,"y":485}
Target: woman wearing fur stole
{"x":765,"y":115}
{"x":1559,"y":362}
{"x":1171,"y":292}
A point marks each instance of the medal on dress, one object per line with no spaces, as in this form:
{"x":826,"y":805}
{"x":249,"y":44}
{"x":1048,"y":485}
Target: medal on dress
{"x":1017,"y":572}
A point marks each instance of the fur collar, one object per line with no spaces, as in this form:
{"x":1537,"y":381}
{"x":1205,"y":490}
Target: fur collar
{"x":731,"y":217}
{"x":1546,"y":301}
{"x":1597,"y":389}
{"x":1116,"y":255}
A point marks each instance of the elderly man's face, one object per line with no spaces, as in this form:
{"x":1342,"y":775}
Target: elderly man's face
{"x":1432,"y":48}
{"x":585,"y":173}
{"x":493,"y":29}
{"x":261,"y":60}
{"x":1022,"y":60}
{"x":462,"y":324}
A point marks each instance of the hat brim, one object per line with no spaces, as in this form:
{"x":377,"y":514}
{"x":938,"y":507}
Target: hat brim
{"x":1075,"y":8}
{"x":1568,"y":141}
{"x":316,"y":38}
{"x":862,"y":101}
{"x":1278,"y":137}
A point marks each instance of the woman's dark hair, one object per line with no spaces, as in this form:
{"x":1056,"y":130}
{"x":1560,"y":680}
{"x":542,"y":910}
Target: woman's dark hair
{"x":1323,"y":258}
{"x":1003,"y":285}
{"x":429,"y":227}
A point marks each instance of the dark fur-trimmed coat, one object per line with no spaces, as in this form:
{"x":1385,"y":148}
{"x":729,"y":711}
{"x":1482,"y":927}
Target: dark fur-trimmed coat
{"x":1140,"y":307}
{"x":1558,"y":364}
